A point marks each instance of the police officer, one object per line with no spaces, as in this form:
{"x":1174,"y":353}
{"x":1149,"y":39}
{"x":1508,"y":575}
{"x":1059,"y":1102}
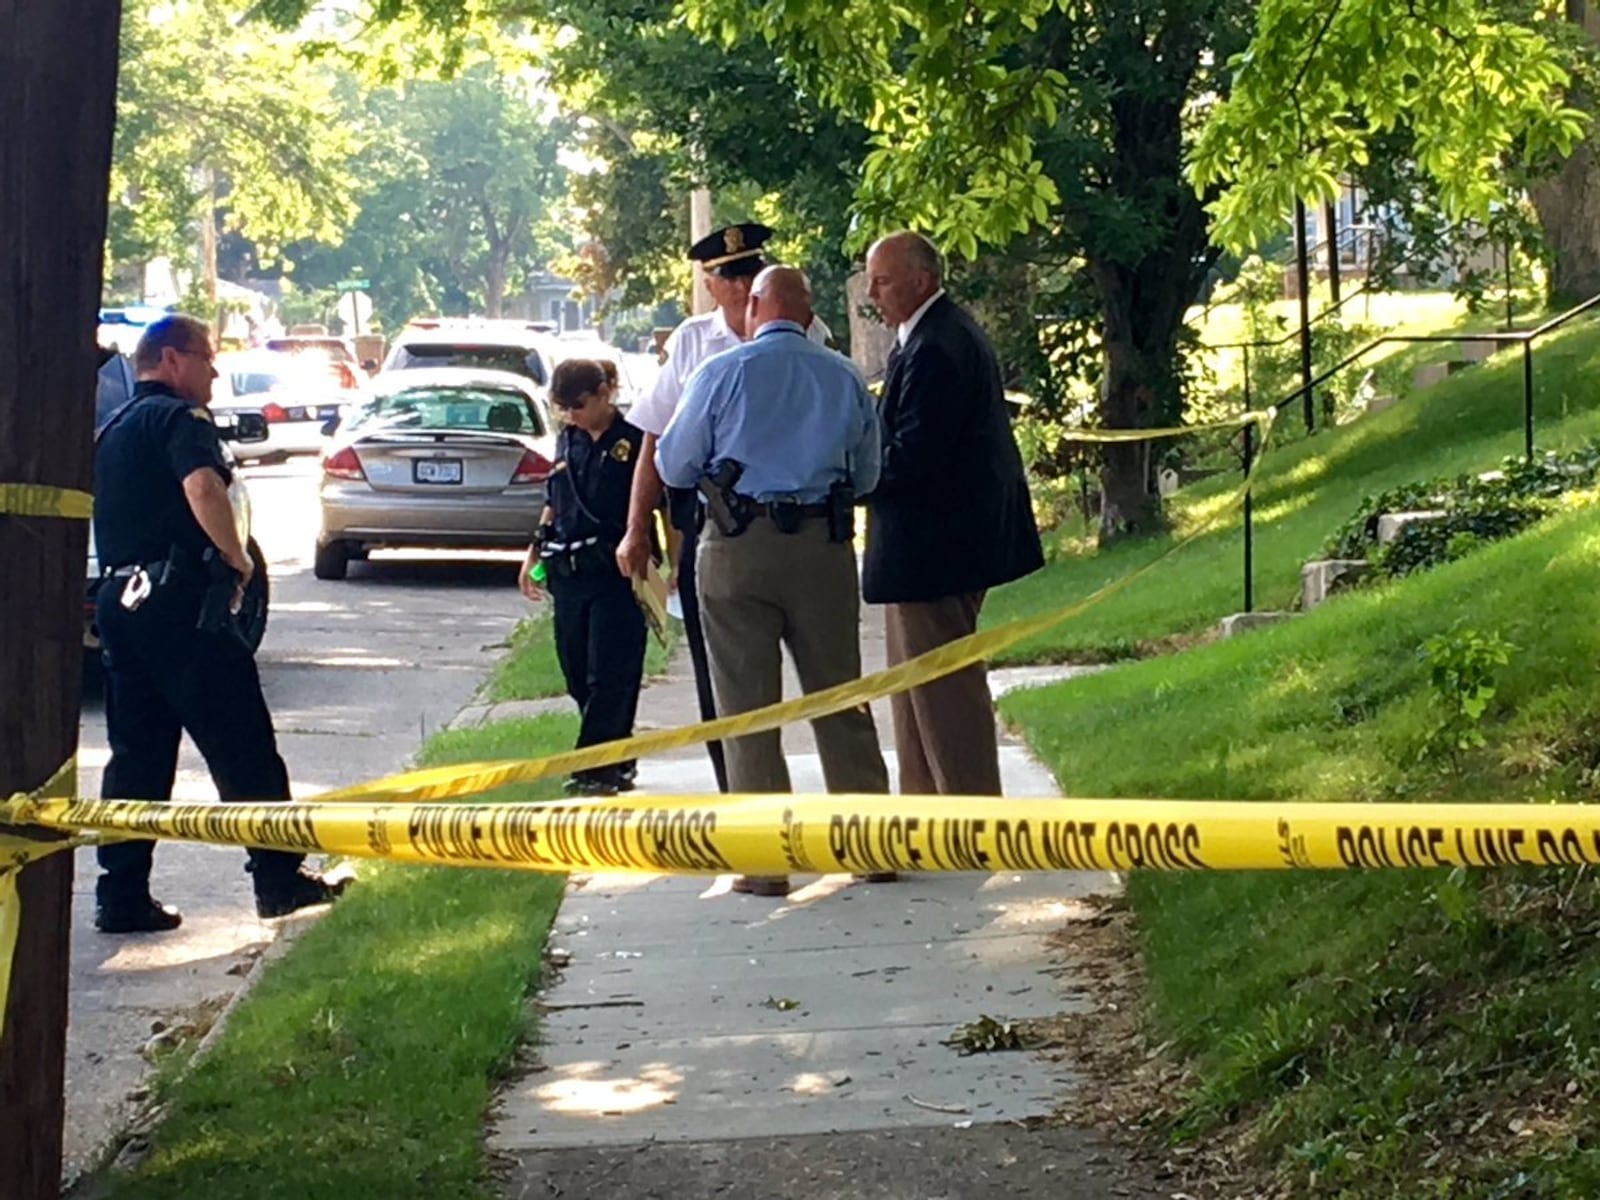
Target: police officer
{"x":599,"y":628}
{"x":730,"y":258}
{"x":174,"y":570}
{"x":787,"y":431}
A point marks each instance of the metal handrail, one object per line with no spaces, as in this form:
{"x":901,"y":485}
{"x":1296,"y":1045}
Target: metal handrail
{"x":1509,"y":337}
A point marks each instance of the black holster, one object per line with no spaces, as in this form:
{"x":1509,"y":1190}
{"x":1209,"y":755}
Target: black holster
{"x":841,"y":511}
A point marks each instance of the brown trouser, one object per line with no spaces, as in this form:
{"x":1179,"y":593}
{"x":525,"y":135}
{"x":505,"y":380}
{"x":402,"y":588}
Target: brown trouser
{"x":943,"y":731}
{"x":763,"y":590}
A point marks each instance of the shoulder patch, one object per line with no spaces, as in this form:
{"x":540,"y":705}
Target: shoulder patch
{"x":559,"y":465}
{"x":622,"y":449}
{"x":201,"y":414}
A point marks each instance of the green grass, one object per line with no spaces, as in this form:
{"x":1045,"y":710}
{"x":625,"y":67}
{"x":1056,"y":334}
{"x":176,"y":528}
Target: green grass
{"x":531,"y":671}
{"x":1305,"y":490}
{"x":363,"y":1063}
{"x":1406,"y":1034}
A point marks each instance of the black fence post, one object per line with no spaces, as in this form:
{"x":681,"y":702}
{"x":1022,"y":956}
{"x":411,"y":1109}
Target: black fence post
{"x":1303,"y":269}
{"x":1527,"y":398}
{"x":1249,"y":531}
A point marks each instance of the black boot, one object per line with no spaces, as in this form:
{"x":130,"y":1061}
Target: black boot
{"x":282,"y":896}
{"x":139,"y":915}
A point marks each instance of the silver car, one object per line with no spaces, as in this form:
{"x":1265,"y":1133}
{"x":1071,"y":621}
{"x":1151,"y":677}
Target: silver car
{"x":435,"y":457}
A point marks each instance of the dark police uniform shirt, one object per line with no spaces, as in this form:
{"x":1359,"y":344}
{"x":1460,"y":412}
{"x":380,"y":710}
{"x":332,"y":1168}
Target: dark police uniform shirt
{"x":140,"y":462}
{"x":597,"y":471}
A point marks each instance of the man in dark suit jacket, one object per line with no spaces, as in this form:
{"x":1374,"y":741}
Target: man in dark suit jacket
{"x":950,"y":517}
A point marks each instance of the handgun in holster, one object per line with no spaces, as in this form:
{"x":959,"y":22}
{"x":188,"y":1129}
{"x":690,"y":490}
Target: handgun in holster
{"x":216,"y":604}
{"x":841,"y":511}
{"x":730,"y":512}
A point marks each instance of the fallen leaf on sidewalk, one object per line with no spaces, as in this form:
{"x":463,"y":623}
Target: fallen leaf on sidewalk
{"x":780,"y":1003}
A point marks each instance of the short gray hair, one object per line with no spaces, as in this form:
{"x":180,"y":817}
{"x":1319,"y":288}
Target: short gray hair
{"x":176,"y":331}
{"x":923,"y":255}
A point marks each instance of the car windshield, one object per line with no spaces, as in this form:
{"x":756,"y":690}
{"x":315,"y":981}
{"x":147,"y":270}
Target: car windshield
{"x":480,"y":357}
{"x":475,"y":410}
{"x":256,"y":378}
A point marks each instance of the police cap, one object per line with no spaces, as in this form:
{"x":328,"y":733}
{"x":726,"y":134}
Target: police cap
{"x":732,"y":251}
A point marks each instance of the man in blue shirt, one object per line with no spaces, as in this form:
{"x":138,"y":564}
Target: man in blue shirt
{"x":798,"y":421}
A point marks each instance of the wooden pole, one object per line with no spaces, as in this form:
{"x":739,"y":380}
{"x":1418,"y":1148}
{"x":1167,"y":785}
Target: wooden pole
{"x":58,"y":78}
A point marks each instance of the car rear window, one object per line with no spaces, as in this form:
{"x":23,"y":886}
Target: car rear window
{"x":514,"y":359}
{"x":474,"y":410}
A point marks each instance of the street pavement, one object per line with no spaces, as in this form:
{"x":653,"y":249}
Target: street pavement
{"x":357,"y":673}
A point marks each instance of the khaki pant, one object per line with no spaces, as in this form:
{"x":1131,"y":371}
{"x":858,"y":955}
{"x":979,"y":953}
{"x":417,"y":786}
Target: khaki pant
{"x":943,"y":731}
{"x":763,"y":590}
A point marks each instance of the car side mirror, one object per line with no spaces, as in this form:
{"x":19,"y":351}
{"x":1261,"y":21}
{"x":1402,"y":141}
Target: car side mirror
{"x":245,"y":427}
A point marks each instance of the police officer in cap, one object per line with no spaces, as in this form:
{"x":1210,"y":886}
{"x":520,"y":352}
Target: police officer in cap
{"x":731,"y":258}
{"x":174,"y":573}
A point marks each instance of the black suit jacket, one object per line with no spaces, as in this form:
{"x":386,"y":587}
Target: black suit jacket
{"x":951,"y":513}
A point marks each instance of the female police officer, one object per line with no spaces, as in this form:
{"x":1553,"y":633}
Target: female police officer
{"x":164,"y":530}
{"x":599,"y":629}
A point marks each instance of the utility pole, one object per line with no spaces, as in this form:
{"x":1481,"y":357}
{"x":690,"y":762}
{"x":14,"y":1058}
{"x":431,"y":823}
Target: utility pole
{"x":699,"y":227}
{"x":58,"y":82}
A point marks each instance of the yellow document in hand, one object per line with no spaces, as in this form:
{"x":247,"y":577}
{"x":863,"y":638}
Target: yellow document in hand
{"x":651,"y":593}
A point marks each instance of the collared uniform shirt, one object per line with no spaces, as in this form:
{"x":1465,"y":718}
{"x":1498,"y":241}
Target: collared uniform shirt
{"x":797,"y":416}
{"x":140,"y":463}
{"x":903,"y":331}
{"x":689,"y":345}
{"x":593,"y":474}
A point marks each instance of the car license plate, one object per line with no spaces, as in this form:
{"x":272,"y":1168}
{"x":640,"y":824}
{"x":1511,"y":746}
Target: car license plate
{"x":327,"y":412}
{"x":438,"y":470}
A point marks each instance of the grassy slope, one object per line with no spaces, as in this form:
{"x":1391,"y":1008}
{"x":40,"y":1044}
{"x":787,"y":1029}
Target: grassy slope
{"x":363,"y":1063}
{"x":1385,"y":1034}
{"x":1306,"y":489}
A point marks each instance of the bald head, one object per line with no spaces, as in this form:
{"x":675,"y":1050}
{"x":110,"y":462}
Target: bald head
{"x":779,"y":294}
{"x":903,"y":271}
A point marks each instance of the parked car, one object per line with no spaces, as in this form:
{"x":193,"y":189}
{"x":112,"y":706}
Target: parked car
{"x":444,"y":457}
{"x":297,"y":397}
{"x":335,"y":357}
{"x":242,"y":428}
{"x":636,"y":373}
{"x":521,"y":347}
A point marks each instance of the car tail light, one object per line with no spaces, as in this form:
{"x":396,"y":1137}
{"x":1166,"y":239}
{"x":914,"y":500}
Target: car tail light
{"x":534,"y":468}
{"x":343,"y":464}
{"x":274,"y":412}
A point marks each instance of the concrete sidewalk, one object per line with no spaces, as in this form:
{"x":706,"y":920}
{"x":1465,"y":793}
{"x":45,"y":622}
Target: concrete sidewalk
{"x":690,"y":1014}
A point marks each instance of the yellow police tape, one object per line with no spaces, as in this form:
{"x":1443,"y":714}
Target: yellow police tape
{"x":795,"y":834}
{"x":16,"y":853}
{"x":468,"y":779}
{"x":42,"y":500}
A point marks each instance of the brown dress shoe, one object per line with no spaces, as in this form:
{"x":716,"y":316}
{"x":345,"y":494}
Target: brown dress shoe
{"x":762,"y":885}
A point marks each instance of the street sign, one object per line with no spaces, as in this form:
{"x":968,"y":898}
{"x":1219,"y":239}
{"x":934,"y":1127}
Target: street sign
{"x":353,"y":285}
{"x":355,"y":309}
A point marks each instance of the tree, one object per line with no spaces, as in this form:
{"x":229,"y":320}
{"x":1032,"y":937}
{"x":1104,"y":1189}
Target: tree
{"x":1055,"y":134}
{"x":1472,"y":88}
{"x":250,"y":147}
{"x":462,"y":196}
{"x":1568,"y":200}
{"x":663,"y":112}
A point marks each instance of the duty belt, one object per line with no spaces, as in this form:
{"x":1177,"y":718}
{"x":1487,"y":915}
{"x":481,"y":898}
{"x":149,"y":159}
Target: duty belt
{"x":787,"y":508}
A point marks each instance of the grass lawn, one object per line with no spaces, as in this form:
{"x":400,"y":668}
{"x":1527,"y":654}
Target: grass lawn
{"x":1306,"y":489}
{"x":531,"y":672}
{"x":363,"y":1063}
{"x":1405,"y":1034}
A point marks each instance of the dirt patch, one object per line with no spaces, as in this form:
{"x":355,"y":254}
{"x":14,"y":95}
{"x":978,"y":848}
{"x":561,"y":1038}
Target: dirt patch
{"x":1133,"y":1088}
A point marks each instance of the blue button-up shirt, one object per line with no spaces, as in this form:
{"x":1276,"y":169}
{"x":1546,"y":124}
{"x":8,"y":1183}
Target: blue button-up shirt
{"x":797,"y":416}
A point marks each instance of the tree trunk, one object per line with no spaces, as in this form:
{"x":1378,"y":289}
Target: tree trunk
{"x":1568,"y":203}
{"x":58,"y":77}
{"x":494,"y":284}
